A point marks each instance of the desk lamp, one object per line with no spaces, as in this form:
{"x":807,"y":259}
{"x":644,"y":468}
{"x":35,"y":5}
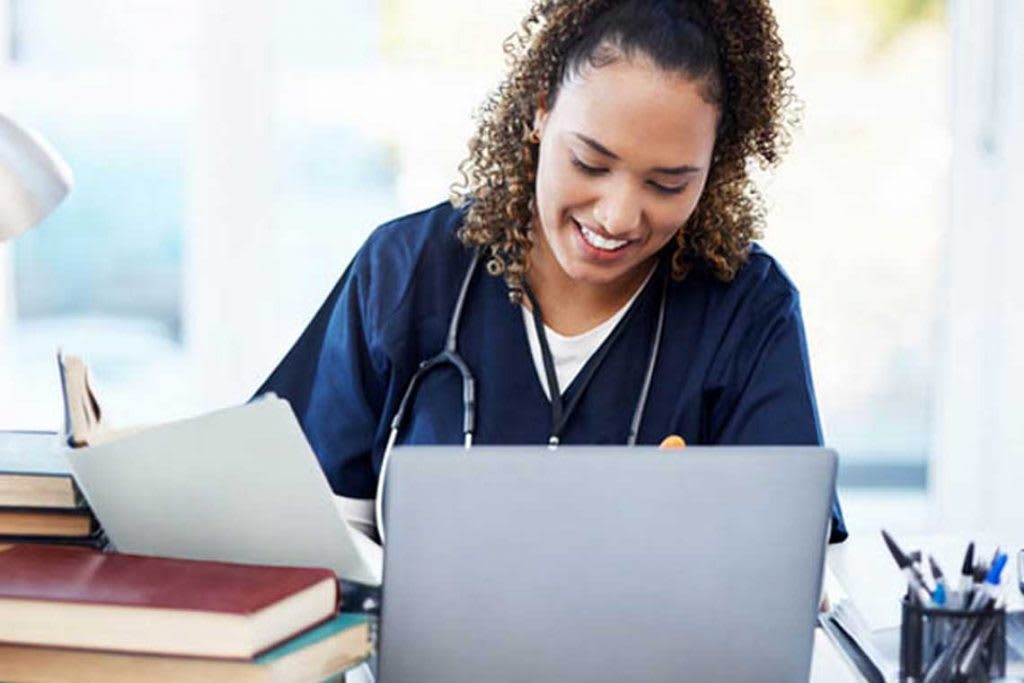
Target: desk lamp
{"x":33,"y":179}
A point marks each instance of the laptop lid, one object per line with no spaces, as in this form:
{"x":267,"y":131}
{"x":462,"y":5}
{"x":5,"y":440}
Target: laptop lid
{"x":603,"y":563}
{"x":236,"y":485}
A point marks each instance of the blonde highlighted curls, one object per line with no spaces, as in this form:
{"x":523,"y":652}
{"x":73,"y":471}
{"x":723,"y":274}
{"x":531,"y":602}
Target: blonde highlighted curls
{"x":758,"y":111}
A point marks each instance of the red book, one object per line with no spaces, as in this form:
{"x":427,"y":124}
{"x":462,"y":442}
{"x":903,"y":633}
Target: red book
{"x":82,"y":598}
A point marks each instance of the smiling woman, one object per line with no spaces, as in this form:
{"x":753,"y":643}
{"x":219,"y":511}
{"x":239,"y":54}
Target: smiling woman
{"x":605,"y":209}
{"x":607,"y":194}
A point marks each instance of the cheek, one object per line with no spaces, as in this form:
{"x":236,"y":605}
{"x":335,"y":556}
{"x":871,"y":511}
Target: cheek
{"x":558,"y":187}
{"x":687,"y":207}
{"x":670,"y":219}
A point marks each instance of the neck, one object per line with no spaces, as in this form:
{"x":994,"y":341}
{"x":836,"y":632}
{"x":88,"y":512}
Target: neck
{"x":571,"y":307}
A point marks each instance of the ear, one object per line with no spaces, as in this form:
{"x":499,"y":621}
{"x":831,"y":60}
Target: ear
{"x":540,"y":116}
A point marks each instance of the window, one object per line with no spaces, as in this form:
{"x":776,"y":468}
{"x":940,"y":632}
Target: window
{"x":231,"y":158}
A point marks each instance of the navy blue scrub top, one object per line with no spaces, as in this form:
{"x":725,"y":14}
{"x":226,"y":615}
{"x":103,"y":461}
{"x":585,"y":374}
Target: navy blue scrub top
{"x":733,"y":366}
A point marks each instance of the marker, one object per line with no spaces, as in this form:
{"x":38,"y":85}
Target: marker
{"x":980,"y":571}
{"x":939,"y":594}
{"x":914,"y":587}
{"x":966,"y":572}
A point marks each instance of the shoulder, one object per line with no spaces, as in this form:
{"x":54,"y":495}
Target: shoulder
{"x":409,"y":256}
{"x":406,"y":239}
{"x":761,"y":284}
{"x":762,"y":280}
{"x":736,"y":317}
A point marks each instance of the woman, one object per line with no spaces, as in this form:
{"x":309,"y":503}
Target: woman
{"x":602,"y":236}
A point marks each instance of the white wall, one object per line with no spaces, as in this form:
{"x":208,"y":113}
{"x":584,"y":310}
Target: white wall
{"x":230,"y":270}
{"x":978,"y":471}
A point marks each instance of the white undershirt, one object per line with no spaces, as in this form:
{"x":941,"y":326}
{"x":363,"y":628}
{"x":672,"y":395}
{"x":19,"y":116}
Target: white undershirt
{"x":570,"y":354}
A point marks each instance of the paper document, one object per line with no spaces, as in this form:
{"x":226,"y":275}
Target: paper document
{"x":237,"y":485}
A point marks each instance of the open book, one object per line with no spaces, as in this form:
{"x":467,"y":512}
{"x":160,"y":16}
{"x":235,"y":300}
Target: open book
{"x":236,"y":485}
{"x":84,"y":423}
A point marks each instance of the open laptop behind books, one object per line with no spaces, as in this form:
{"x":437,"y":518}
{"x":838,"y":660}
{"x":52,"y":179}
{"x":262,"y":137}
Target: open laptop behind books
{"x":603,"y":564}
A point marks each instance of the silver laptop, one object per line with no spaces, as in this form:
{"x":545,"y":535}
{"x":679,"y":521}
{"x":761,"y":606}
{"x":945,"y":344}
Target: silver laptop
{"x":596,"y":564}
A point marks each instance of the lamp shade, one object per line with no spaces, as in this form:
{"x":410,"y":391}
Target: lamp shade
{"x":33,"y":179}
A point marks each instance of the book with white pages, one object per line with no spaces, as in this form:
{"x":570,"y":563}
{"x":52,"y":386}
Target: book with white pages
{"x":237,"y":485}
{"x":85,"y":422}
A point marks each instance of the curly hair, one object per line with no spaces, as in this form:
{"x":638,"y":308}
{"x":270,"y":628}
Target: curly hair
{"x":731,"y":46}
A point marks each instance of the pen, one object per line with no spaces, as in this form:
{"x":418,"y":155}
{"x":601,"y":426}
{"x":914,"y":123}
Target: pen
{"x":990,"y":585}
{"x":978,"y":577}
{"x":974,"y":643}
{"x":914,"y":587}
{"x":984,"y":598}
{"x":967,"y":571}
{"x":977,"y":642}
{"x":1020,"y":571}
{"x":939,"y":594}
{"x":917,"y":564}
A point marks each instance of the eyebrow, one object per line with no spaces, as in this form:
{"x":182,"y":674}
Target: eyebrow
{"x":601,"y":149}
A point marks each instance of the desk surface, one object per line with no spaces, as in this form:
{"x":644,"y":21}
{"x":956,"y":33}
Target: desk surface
{"x":827,"y":665}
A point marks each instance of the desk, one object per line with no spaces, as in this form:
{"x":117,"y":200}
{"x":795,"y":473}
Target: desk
{"x":827,"y":664}
{"x":864,"y":568}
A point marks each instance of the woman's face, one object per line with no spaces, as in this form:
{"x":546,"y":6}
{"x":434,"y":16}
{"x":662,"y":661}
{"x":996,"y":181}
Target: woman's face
{"x":624,"y":157}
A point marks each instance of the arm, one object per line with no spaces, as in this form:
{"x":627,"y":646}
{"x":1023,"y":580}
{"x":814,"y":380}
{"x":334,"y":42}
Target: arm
{"x":335,"y":380}
{"x":763,"y":391}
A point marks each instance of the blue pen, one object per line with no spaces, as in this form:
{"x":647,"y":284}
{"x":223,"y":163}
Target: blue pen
{"x":990,"y":586}
{"x":946,"y":664}
{"x":972,"y":646}
{"x":939,"y":594}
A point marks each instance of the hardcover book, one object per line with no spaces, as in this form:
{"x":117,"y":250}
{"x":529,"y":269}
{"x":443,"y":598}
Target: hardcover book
{"x":137,"y":603}
{"x":34,"y":472}
{"x":22,"y":521}
{"x":322,"y":653}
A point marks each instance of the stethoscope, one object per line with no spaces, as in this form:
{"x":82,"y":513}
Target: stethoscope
{"x":560,"y":413}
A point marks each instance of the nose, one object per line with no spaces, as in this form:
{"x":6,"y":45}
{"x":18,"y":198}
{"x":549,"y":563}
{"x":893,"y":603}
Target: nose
{"x":618,"y":211}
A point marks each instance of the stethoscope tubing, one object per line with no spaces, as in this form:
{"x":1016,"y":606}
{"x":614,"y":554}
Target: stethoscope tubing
{"x":451,"y":356}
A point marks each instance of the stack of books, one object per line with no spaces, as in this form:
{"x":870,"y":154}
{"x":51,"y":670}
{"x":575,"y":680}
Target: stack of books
{"x":39,"y":502}
{"x":77,"y":614}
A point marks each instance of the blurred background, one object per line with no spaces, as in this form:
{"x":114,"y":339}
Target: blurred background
{"x":231,"y":156}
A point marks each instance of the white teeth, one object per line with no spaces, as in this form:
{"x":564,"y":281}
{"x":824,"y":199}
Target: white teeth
{"x":595,"y":240}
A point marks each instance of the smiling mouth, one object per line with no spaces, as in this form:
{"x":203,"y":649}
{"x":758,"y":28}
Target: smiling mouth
{"x":598,"y":241}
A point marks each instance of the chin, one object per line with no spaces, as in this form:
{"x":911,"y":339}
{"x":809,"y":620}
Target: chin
{"x":594,"y":275}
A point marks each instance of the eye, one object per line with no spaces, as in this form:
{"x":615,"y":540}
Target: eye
{"x":661,"y":189}
{"x":589,"y":170}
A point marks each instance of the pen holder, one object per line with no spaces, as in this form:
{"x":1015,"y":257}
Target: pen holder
{"x":940,"y":645}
